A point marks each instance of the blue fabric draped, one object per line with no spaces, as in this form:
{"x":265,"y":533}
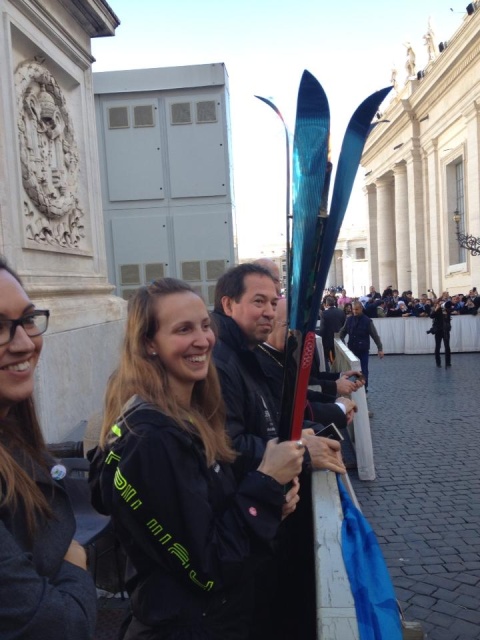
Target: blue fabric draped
{"x":377,"y":611}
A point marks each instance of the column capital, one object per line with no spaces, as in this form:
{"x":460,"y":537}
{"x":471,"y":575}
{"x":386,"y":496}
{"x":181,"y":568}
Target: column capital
{"x":384,"y":181}
{"x":400,"y":168}
{"x":472,"y":110}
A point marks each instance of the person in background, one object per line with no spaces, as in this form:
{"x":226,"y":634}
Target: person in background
{"x":190,"y":529}
{"x":272,"y":267}
{"x":348,"y":310}
{"x":441,"y":327}
{"x":382,"y":309}
{"x":373,"y":294}
{"x":371,"y":307}
{"x":332,"y":320}
{"x":323,"y":404}
{"x":45,"y":590}
{"x":360,"y":329}
{"x":457,"y":305}
{"x":343,"y":299}
{"x":422,"y":308}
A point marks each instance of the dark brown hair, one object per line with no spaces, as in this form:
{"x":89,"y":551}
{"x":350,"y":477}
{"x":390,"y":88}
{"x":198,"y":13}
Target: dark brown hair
{"x":21,"y":444}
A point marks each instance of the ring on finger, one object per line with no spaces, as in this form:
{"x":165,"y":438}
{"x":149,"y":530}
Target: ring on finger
{"x":299,"y":444}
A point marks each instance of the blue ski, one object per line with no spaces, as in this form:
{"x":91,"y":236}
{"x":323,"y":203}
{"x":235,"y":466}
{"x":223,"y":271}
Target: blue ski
{"x":353,"y":143}
{"x":310,"y":156}
{"x":325,"y":237}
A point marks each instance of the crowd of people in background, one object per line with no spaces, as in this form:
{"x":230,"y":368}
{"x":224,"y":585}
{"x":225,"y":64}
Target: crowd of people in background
{"x":390,"y":304}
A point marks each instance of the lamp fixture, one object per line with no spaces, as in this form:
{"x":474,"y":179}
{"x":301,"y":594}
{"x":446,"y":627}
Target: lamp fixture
{"x":465,"y":240}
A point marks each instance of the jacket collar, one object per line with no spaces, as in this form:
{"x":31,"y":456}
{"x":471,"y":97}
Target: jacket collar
{"x":229,"y":332}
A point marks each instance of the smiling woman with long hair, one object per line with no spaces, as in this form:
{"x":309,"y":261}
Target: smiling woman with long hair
{"x":45,"y":591}
{"x":163,"y":472}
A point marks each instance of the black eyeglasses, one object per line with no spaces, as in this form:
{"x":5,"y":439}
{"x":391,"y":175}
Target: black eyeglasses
{"x":34,"y":324}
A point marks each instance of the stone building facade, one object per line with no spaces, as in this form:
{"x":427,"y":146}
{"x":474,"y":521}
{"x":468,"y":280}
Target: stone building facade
{"x":422,"y":166}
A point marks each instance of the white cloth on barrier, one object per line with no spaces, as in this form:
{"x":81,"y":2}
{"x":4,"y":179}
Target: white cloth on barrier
{"x":409,"y":335}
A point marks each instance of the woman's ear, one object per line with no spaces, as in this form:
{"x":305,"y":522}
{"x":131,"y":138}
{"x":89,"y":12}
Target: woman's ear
{"x":150,"y":348}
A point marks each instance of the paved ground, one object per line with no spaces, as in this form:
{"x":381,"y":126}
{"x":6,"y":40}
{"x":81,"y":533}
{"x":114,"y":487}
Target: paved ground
{"x":425,"y":503}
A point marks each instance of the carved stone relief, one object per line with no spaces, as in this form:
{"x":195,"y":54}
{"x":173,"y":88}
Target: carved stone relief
{"x":49,"y":160}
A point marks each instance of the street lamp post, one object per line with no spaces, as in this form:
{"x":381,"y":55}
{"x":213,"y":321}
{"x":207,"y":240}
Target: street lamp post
{"x":465,"y":240}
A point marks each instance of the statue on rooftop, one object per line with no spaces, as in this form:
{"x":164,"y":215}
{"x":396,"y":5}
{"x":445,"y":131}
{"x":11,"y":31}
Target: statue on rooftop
{"x":429,"y":40}
{"x":410,"y":61}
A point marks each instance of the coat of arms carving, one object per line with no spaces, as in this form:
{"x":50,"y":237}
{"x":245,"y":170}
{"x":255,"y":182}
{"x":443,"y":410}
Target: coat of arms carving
{"x":49,"y":160}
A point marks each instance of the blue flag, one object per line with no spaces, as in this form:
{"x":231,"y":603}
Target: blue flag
{"x":377,"y":611}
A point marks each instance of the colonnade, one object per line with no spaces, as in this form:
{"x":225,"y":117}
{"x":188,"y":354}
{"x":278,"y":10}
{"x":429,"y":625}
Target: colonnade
{"x":396,"y":228}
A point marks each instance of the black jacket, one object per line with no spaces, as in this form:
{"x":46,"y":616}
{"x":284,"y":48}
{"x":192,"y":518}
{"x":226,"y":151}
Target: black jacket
{"x":252,"y":390}
{"x":442,"y":322}
{"x":321,"y":406}
{"x":42,"y":596}
{"x":360,"y":329}
{"x":252,"y":412}
{"x":189,"y":529}
{"x":331,"y":322}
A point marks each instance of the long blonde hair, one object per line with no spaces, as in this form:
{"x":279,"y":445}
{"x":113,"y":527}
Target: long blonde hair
{"x":140,"y":374}
{"x":21,"y":433}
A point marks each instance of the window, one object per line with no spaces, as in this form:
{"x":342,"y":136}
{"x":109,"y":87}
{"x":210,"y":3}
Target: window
{"x":360,"y":253}
{"x":460,"y":206}
{"x":455,"y":188}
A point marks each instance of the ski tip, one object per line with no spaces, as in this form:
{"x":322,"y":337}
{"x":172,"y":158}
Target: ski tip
{"x":375,"y":100}
{"x":269,"y":102}
{"x":312,"y":98}
{"x":365,"y":112}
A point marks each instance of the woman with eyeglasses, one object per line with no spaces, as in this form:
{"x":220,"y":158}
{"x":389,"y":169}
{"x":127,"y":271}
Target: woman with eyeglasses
{"x":192,"y":532}
{"x":45,"y":590}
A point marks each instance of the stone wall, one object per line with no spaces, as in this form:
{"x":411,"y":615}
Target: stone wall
{"x":51,"y":226}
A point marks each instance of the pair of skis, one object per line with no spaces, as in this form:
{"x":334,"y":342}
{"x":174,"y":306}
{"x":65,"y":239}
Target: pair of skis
{"x":314,"y":233}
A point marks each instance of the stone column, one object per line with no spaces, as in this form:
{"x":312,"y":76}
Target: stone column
{"x":403,"y":279}
{"x":433,"y":218}
{"x":416,"y":219}
{"x":371,"y":195}
{"x":387,"y":257}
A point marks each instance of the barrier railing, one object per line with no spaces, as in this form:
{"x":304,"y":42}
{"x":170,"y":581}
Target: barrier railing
{"x":360,"y":430}
{"x":336,"y":616}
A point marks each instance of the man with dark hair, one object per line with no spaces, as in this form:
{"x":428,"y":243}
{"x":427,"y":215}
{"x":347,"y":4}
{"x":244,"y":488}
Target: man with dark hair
{"x":232,"y":283}
{"x":245,"y":305}
{"x":245,"y":308}
{"x":331,"y":321}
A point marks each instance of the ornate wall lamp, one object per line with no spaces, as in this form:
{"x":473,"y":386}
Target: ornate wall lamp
{"x":465,"y":240}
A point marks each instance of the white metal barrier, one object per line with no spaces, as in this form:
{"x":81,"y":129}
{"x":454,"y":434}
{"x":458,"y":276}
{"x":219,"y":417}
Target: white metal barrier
{"x":336,"y":616}
{"x":360,"y":432}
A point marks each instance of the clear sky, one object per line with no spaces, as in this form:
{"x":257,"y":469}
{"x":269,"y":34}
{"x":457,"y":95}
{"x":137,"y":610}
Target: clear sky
{"x":351,"y":47}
